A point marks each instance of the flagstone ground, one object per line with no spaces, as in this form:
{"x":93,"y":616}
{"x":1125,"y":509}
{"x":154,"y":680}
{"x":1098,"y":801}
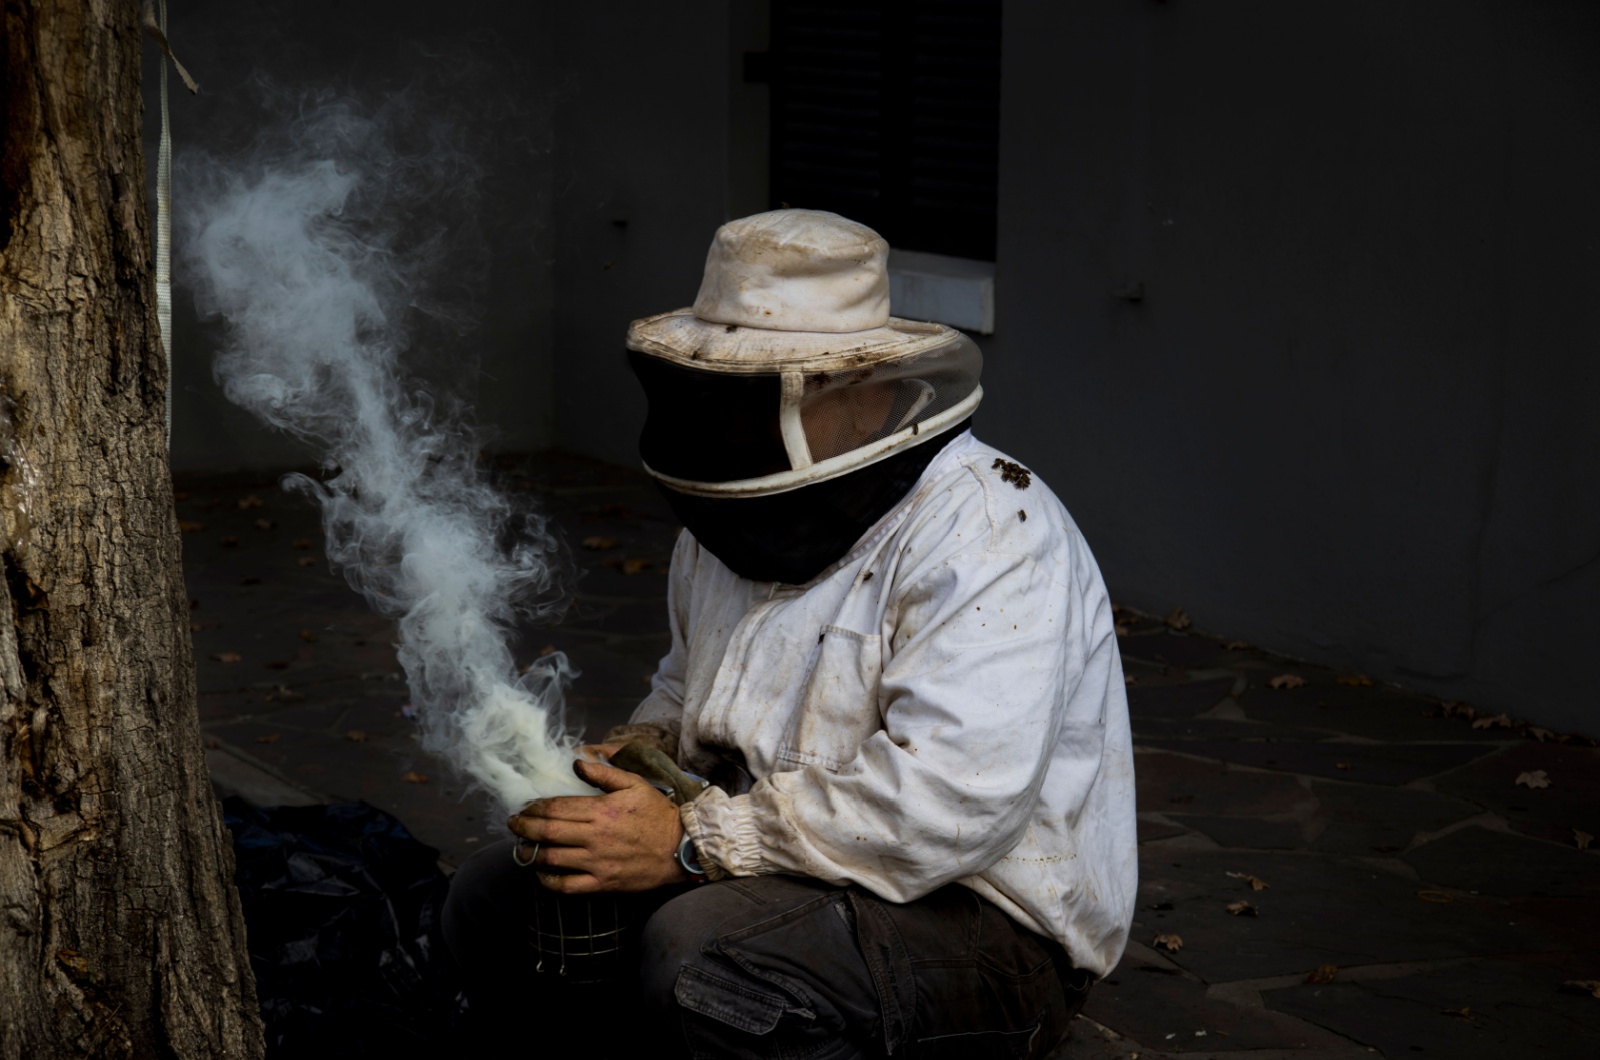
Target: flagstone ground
{"x":1448,"y":906}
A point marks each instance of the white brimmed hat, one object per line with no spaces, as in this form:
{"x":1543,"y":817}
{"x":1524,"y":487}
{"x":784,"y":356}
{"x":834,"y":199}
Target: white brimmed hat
{"x":804,"y":295}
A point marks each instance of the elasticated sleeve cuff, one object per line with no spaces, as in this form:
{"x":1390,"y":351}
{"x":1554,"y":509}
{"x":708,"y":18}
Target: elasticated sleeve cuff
{"x":724,"y":834}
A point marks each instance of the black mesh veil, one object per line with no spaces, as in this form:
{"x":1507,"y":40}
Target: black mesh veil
{"x":718,"y":430}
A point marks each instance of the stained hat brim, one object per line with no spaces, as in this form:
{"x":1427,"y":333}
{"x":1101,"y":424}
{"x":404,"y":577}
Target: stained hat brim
{"x":682,"y":337}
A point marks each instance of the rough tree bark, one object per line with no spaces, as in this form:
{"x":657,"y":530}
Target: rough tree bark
{"x":120,"y":929}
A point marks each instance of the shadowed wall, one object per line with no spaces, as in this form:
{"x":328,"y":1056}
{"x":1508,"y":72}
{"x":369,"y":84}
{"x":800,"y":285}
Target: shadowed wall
{"x":1352,"y":417}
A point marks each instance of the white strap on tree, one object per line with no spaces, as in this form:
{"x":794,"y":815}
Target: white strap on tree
{"x":157,"y":28}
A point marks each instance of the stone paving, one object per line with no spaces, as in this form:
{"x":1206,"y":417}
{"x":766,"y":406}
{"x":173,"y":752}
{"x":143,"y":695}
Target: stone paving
{"x":1329,"y":867}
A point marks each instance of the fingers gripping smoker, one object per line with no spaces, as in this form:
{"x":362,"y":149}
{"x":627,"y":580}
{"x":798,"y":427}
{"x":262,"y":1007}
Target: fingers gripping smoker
{"x":586,"y":938}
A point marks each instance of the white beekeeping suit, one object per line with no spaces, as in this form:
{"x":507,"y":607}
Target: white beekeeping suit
{"x":891,"y":645}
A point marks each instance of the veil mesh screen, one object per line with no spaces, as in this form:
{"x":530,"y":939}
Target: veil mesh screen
{"x":710,"y":426}
{"x":844,"y":411}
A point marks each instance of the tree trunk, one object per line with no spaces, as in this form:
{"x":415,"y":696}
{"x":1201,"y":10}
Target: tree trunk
{"x":120,"y":929}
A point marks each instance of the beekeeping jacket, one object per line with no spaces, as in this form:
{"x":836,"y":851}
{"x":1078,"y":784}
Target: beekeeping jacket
{"x":941,"y":703}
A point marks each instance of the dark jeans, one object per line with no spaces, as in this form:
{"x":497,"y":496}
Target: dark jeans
{"x":769,"y":966}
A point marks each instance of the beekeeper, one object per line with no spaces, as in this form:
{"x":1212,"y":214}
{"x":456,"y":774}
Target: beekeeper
{"x":893,"y":655}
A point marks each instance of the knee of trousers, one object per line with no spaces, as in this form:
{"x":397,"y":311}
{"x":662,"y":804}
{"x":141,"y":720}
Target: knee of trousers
{"x":760,"y":966}
{"x":473,"y":914}
{"x":676,"y":935}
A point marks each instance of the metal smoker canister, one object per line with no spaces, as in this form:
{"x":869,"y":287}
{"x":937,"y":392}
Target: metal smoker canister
{"x":580,"y":937}
{"x":585,"y":938}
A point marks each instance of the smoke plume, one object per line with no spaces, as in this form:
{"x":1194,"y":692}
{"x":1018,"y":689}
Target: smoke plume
{"x":334,"y":261}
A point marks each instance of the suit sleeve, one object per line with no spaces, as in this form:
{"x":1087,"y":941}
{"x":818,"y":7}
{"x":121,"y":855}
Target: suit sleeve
{"x":980,"y":659}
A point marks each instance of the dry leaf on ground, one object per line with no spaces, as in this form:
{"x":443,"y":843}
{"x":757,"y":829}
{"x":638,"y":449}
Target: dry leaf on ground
{"x":271,"y":737}
{"x":1170,"y":943}
{"x":1323,"y":973}
{"x":251,"y":501}
{"x":1179,"y":619}
{"x":1539,"y":734}
{"x":548,"y":649}
{"x":1582,"y":986}
{"x":301,"y":543}
{"x":1356,"y":680}
{"x":1120,"y":629}
{"x":1436,"y":897}
{"x":1287,"y":681}
{"x":227,"y":656}
{"x":599,"y":543}
{"x":635,"y":566}
{"x":1129,"y":679}
{"x":1462,"y":1013}
{"x":1582,"y":839}
{"x":1236,"y":645}
{"x":1537,"y":778}
{"x":190,"y":526}
{"x":228,"y":541}
{"x":1256,"y":883}
{"x":1243,"y":909}
{"x":1454,"y":708}
{"x":265,"y":524}
{"x":413,"y":777}
{"x":356,"y":735}
{"x":1344,"y":765}
{"x":309,"y":636}
{"x":307,"y":561}
{"x":1499,"y":721}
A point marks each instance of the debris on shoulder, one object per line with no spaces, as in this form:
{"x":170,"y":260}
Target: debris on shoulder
{"x":1013,"y":472}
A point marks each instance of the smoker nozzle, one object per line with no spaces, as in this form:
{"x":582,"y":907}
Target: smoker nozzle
{"x":652,"y":764}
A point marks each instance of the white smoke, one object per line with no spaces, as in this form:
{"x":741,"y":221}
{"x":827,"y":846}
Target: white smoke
{"x":324,"y":256}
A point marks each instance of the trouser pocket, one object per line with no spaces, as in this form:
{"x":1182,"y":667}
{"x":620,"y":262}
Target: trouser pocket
{"x":740,"y":1005}
{"x":773,"y":988}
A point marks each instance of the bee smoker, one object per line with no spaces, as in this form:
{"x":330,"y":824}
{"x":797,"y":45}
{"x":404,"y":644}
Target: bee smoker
{"x":588,"y":938}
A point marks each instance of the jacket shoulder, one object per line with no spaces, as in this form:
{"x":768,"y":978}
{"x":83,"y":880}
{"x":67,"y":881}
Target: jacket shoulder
{"x":981,"y":500}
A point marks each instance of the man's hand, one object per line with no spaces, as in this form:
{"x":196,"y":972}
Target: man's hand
{"x":620,"y":841}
